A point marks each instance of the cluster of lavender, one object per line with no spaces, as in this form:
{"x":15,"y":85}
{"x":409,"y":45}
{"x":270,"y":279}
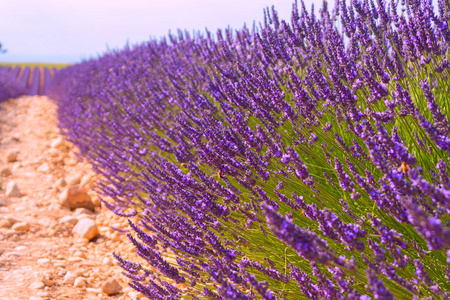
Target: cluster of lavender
{"x":301,"y":159}
{"x":10,"y":85}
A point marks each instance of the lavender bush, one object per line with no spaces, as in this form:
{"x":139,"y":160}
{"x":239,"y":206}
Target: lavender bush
{"x":294,"y":160}
{"x":10,"y":86}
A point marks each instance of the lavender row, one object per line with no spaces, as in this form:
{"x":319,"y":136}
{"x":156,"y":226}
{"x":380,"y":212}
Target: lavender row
{"x":301,"y":159}
{"x":10,"y":86}
{"x":35,"y":81}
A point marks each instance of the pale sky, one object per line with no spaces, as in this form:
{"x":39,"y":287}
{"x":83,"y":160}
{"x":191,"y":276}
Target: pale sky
{"x":73,"y":30}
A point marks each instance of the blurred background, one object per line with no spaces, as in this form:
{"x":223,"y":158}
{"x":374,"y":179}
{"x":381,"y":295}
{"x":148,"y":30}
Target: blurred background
{"x":69,"y":31}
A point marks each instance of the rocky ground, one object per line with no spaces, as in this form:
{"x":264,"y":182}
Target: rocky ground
{"x":56,"y":239}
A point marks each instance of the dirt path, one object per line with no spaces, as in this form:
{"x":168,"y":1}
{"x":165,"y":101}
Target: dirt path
{"x":40,"y":256}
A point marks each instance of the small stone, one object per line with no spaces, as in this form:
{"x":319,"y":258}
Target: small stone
{"x":93,"y":291}
{"x":107,"y":261}
{"x":44,"y":168}
{"x":11,"y":155}
{"x":75,"y":197}
{"x":9,"y":233}
{"x":79,"y":254}
{"x":54,"y":206}
{"x":37,"y":285}
{"x":43,"y":261}
{"x":13,"y":220}
{"x":16,"y":166}
{"x":96,"y":201}
{"x":79,"y":282}
{"x":86,"y":180}
{"x":73,"y":180}
{"x":89,"y":216}
{"x":15,"y":137}
{"x":5,"y":223}
{"x":52,"y":152}
{"x":57,"y":143}
{"x":47,"y":281}
{"x":43,"y":294}
{"x":20,"y":208}
{"x":14,"y":254}
{"x":59,"y":160}
{"x":82,"y":211}
{"x":75,"y":259}
{"x":68,"y":220}
{"x":111,"y":287}
{"x":86,"y":228}
{"x":21,"y":248}
{"x":70,"y":277}
{"x":81,"y":242}
{"x":21,"y":226}
{"x":12,"y":190}
{"x":60,"y":183}
{"x":6,"y":172}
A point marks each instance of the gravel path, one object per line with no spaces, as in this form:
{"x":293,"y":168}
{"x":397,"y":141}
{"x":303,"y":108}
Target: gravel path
{"x":42,"y":256}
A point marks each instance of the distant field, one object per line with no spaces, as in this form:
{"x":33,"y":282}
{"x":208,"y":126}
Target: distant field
{"x":31,"y":64}
{"x":36,"y":77}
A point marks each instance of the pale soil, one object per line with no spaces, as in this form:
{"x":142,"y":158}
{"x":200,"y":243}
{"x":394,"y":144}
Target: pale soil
{"x":29,"y":125}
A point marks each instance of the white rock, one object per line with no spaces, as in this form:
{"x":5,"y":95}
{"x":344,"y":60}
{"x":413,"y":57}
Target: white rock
{"x":21,"y":226}
{"x":107,"y":261}
{"x":58,"y":142}
{"x":70,"y":277}
{"x":16,"y":166}
{"x":6,"y":172}
{"x":21,"y":248}
{"x":44,"y":168}
{"x":68,"y":220}
{"x":80,"y":282}
{"x":86,"y":228}
{"x":111,"y":287}
{"x":37,"y":285}
{"x":11,"y":155}
{"x":12,"y":190}
{"x":43,"y":261}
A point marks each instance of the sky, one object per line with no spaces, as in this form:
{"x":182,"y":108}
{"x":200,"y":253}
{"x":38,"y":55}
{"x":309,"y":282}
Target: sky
{"x":75,"y":30}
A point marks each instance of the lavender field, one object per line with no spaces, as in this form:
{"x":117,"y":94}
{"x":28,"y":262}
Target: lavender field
{"x":296,"y":159}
